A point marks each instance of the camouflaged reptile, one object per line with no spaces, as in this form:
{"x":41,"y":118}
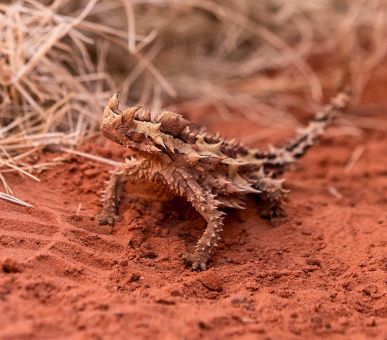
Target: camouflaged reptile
{"x":207,"y":170}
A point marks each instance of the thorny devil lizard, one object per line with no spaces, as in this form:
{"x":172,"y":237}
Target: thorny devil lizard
{"x":207,"y":170}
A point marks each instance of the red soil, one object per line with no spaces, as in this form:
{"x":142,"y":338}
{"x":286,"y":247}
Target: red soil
{"x":320,"y":272}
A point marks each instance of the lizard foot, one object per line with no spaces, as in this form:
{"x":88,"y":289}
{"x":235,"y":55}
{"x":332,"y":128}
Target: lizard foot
{"x":197,"y":261}
{"x":108,"y":217}
{"x":272,"y":211}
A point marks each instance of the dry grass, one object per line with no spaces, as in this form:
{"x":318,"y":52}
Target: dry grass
{"x":61,"y":60}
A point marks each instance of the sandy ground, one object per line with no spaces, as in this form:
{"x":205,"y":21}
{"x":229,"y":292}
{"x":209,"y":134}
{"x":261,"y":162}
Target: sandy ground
{"x":320,"y":272}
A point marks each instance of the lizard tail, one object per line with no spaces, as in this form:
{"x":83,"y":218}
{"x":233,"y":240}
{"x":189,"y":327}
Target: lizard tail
{"x":307,"y":136}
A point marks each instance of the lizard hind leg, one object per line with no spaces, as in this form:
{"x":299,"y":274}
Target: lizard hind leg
{"x":273,"y":194}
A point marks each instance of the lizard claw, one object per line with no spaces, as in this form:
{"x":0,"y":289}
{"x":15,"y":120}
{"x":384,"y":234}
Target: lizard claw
{"x":272,"y":211}
{"x":106,"y":217}
{"x":195,"y":260}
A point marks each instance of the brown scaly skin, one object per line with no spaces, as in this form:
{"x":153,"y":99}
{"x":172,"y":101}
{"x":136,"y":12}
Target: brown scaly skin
{"x":210,"y":172}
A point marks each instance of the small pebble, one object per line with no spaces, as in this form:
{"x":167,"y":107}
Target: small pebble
{"x":238,"y":299}
{"x":211,"y":281}
{"x":313,"y":262}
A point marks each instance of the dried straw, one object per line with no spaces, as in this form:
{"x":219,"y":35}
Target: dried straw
{"x":15,"y":200}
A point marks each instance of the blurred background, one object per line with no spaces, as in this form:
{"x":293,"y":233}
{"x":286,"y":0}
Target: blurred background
{"x":61,"y":60}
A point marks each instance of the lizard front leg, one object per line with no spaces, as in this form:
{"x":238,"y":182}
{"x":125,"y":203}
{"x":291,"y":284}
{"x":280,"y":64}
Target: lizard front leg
{"x":208,"y":241}
{"x":111,"y":196}
{"x":205,"y":203}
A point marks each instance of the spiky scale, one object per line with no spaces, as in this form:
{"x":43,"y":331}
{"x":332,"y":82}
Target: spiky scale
{"x":159,"y":140}
{"x":145,"y":116}
{"x":194,"y":156}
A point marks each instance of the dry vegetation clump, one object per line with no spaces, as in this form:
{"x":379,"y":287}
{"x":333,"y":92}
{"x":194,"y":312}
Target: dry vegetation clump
{"x":61,"y":60}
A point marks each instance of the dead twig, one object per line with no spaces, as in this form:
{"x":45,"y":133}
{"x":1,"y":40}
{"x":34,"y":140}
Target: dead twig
{"x":354,"y":157}
{"x":15,"y":200}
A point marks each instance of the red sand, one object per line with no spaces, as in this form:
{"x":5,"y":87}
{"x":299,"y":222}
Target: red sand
{"x":320,"y":272}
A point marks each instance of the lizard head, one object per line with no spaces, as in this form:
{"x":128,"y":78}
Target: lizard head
{"x":138,"y":131}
